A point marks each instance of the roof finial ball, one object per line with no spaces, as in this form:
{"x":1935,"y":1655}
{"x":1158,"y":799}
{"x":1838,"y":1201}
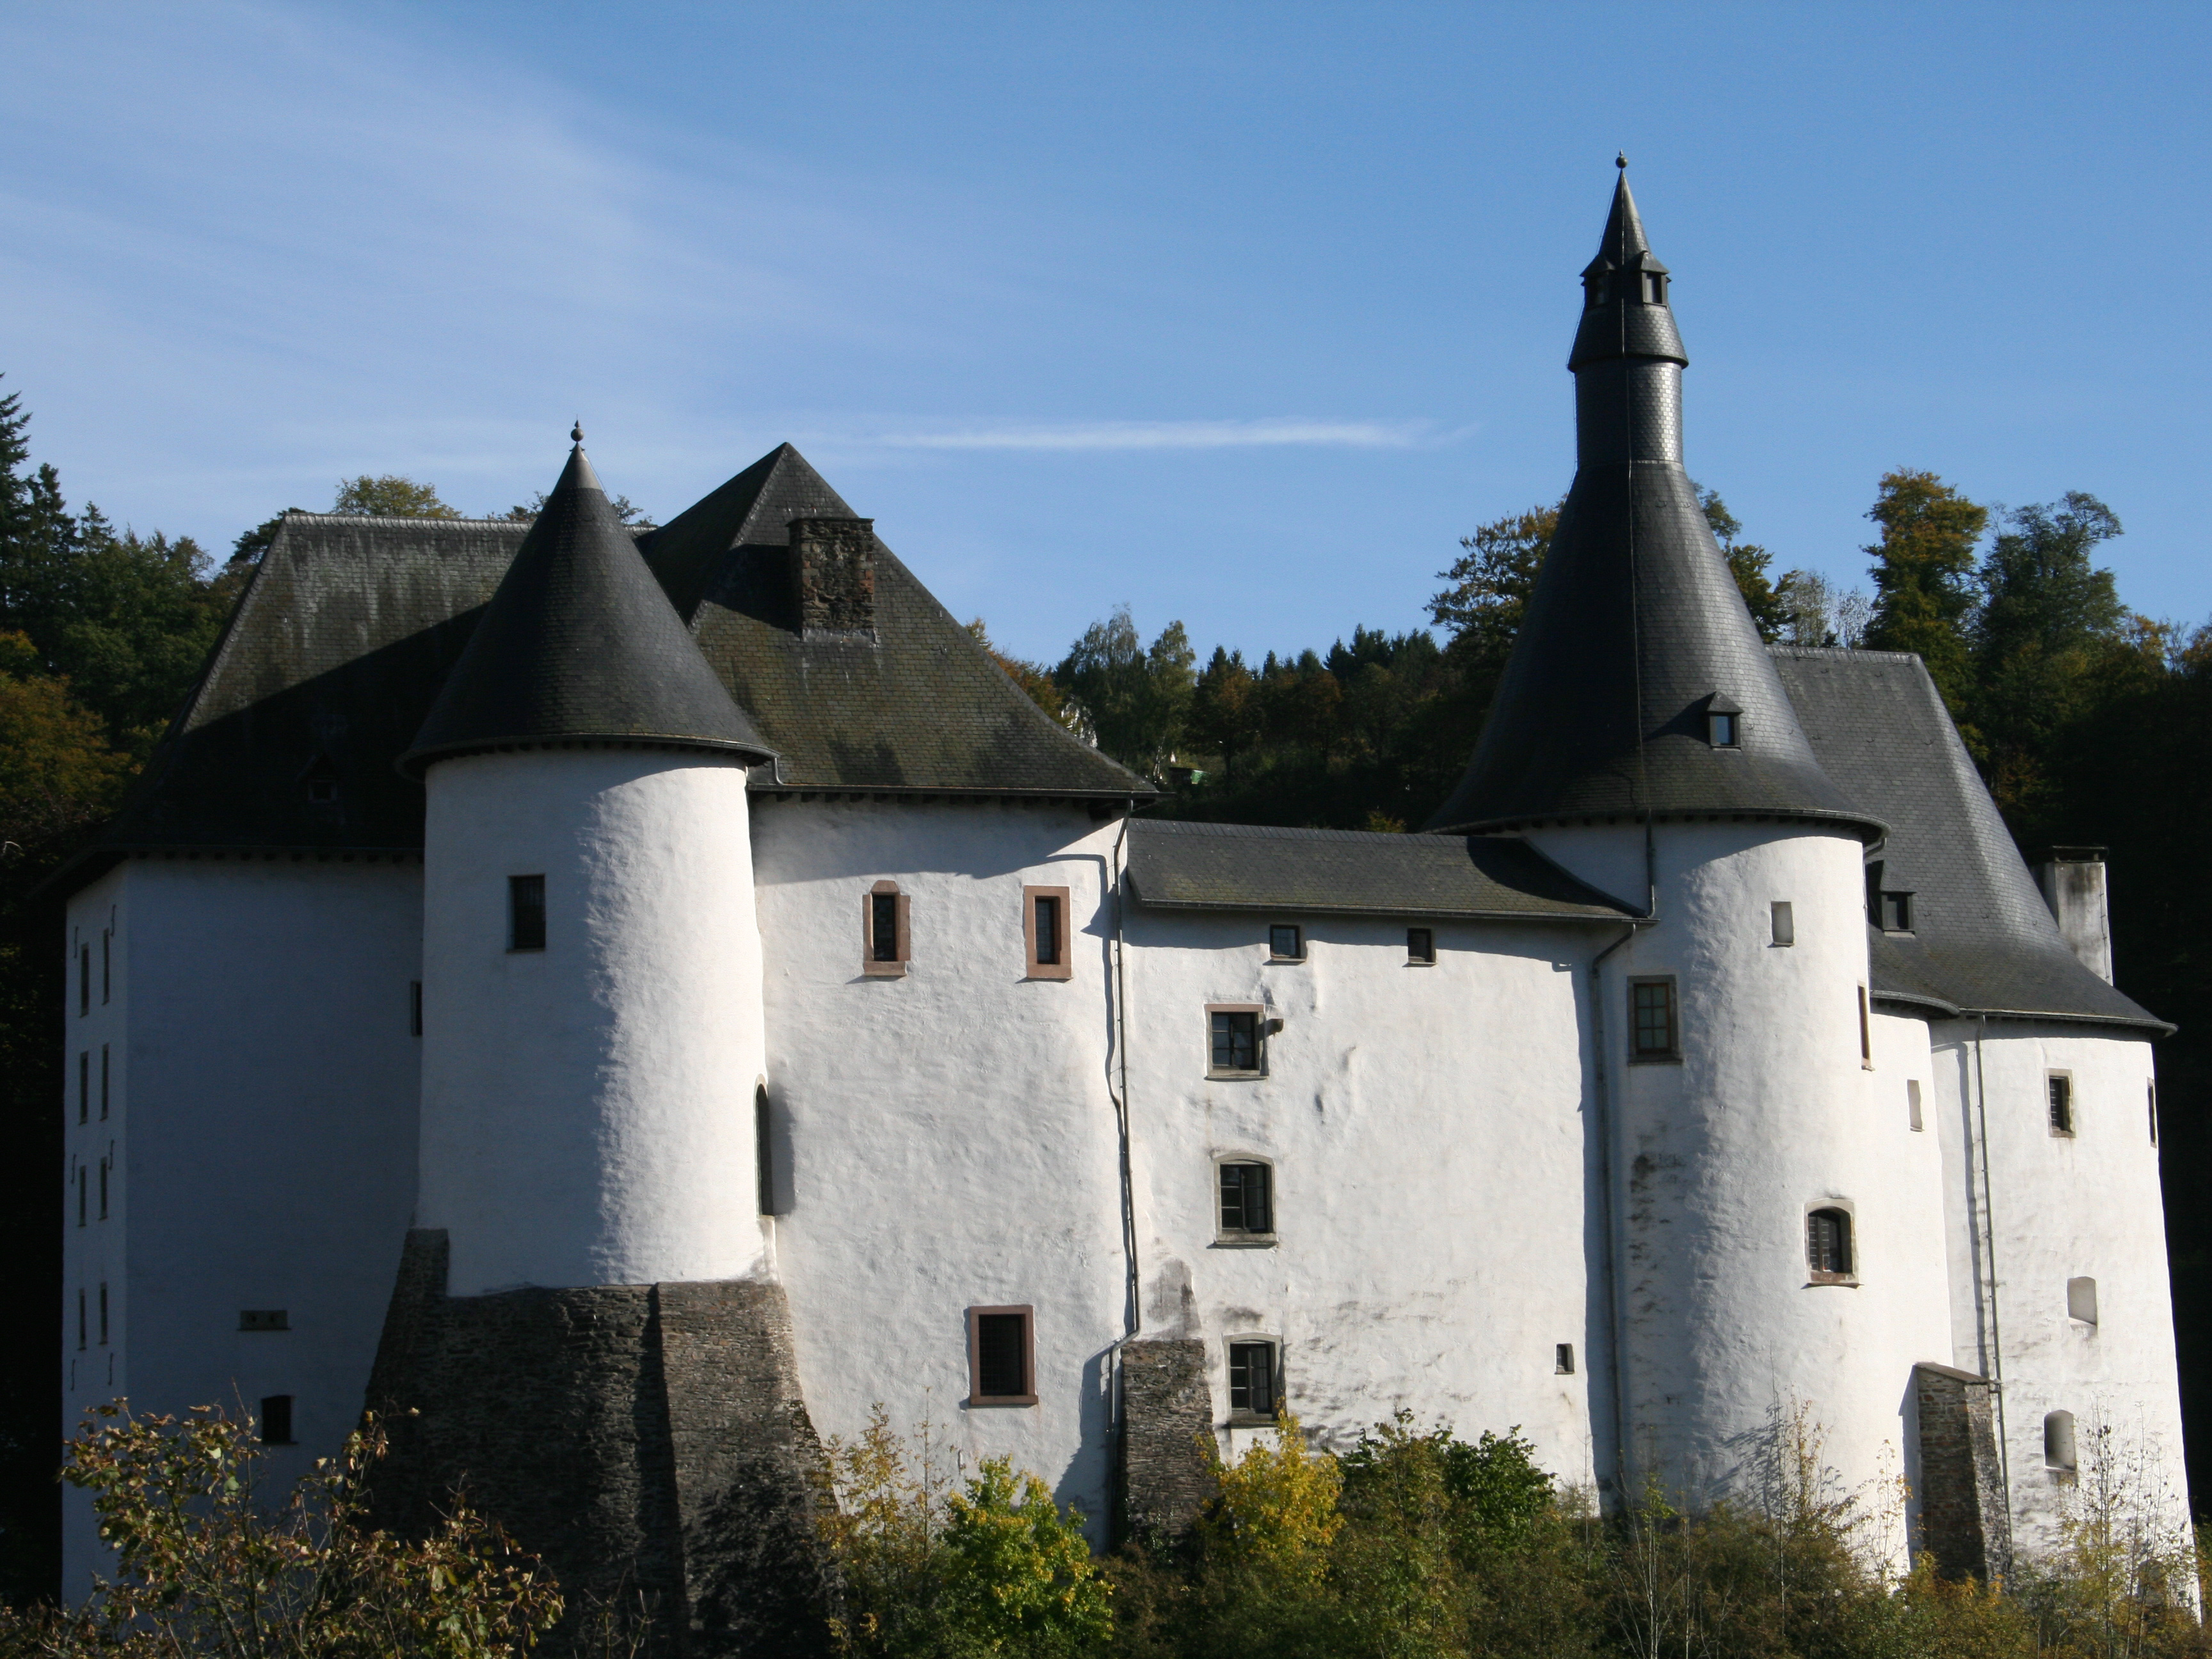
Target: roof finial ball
{"x":1620,"y":160}
{"x":576,"y":435}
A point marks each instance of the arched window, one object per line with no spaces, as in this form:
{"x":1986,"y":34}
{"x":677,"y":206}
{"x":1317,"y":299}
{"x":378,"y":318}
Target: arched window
{"x":1828,"y":1245}
{"x":2059,"y":1442}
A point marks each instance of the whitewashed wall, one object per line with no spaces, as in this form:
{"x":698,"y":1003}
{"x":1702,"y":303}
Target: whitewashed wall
{"x":587,"y":1109}
{"x":944,"y":1139}
{"x":1770,"y":1111}
{"x":263,"y":1107}
{"x":1427,"y":1127}
{"x":2061,"y":1207}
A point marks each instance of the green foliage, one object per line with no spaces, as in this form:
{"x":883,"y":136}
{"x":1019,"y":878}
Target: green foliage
{"x":208,"y":1565}
{"x":388,"y":495}
{"x":1923,"y":576}
{"x":1769,"y":603}
{"x":1033,"y":678}
{"x":58,"y":773}
{"x":925,"y":1570}
{"x":625,"y":509}
{"x":1133,"y":699}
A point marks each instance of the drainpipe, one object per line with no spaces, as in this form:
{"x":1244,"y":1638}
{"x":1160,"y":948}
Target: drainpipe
{"x":1989,"y":1239}
{"x":1615,"y":1247}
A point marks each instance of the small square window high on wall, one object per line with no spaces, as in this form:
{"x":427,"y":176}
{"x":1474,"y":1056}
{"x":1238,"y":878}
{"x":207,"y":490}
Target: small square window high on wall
{"x":1654,"y":1031}
{"x":1002,"y":1357}
{"x":525,"y":913}
{"x":1286,"y":942}
{"x":1421,"y":946}
{"x":1044,"y":933}
{"x":276,"y":1419}
{"x":885,"y":931}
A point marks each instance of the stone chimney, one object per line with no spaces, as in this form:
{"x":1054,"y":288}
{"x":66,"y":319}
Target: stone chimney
{"x":2073,"y":883}
{"x":833,"y":568}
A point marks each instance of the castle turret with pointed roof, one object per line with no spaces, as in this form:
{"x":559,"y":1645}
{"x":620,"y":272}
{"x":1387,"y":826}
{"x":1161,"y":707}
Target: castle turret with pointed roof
{"x":1639,"y":685}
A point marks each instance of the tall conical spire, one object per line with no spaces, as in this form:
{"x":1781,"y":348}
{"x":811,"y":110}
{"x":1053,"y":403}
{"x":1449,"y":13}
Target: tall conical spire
{"x":1636,"y":636}
{"x":579,"y":644}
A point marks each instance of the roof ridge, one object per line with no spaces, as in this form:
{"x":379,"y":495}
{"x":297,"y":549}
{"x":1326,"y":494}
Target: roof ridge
{"x":1856,"y":653}
{"x":295,"y":516}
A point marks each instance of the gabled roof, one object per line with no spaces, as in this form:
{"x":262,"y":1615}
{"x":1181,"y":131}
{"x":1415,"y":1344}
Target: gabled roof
{"x":919,"y":708}
{"x":1983,"y":940}
{"x":581,"y":645}
{"x":1175,"y":866}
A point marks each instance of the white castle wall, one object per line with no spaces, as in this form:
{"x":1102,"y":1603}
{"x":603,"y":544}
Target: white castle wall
{"x":2063,"y":1207}
{"x":1426,"y":1126}
{"x":262,"y":1104}
{"x":587,"y":1109}
{"x":1770,"y":1111}
{"x":944,"y":1139}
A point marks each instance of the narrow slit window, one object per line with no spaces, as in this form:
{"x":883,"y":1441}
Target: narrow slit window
{"x":103,"y":1189}
{"x":1045,"y":913}
{"x":1912,"y":1105}
{"x":1236,"y":1039}
{"x":2060,"y":1088}
{"x":1255,"y":1388}
{"x":2058,"y":1443}
{"x":764,"y":1170}
{"x":83,"y":1190}
{"x":1654,"y":1031}
{"x":80,"y":1321}
{"x":1828,"y":1245}
{"x":415,"y":1007}
{"x":525,"y":913}
{"x":1002,"y":1358}
{"x":1421,"y":945}
{"x":2151,"y":1091}
{"x":105,"y":1081}
{"x":1286,"y":942}
{"x":1563,"y":1359}
{"x":885,"y":931}
{"x":106,"y":964}
{"x":2081,"y":1300}
{"x":84,"y":1087}
{"x":1248,"y":1206}
{"x":103,"y":1313}
{"x":84,"y":981}
{"x":1866,"y":1032}
{"x":276,"y":1419}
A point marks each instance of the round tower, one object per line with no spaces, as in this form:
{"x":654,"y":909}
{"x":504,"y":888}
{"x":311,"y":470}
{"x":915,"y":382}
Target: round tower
{"x":1754,"y":1260}
{"x":592,"y":963}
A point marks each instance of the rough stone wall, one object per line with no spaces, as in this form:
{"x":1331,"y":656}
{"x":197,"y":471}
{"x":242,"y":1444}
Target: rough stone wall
{"x":648,"y":1441}
{"x":1167,"y":1416}
{"x":834,"y":561}
{"x":1964,"y":1518}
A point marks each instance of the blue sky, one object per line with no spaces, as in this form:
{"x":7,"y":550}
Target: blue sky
{"x":1241,"y":314}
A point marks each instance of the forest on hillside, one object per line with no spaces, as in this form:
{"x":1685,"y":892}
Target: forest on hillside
{"x":2092,"y":723}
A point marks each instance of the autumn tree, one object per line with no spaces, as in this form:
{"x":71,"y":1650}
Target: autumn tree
{"x":1923,"y":577}
{"x":1033,"y":678}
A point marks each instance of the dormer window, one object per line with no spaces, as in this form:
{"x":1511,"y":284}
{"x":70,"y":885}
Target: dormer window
{"x":1723,"y":723}
{"x":1655,"y":289}
{"x":1600,"y":290}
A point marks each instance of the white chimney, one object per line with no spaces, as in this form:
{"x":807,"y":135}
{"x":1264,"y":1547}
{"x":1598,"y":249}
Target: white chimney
{"x":2073,"y":883}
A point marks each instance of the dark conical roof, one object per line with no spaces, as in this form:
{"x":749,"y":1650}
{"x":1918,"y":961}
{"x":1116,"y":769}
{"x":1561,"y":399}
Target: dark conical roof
{"x":579,"y":644}
{"x":1636,"y":633}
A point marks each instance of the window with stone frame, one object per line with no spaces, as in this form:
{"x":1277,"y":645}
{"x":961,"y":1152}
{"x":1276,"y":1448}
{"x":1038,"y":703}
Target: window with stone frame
{"x":1654,"y":1023}
{"x":1245,"y":1190}
{"x":1045,"y":943}
{"x":1236,"y":1039}
{"x":2059,"y":1090}
{"x":886,"y":932}
{"x":1255,"y":1383}
{"x":1002,"y":1356}
{"x":1829,"y":1247}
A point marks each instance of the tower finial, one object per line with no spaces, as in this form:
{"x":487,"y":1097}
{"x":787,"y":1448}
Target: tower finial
{"x":1620,"y":160}
{"x":576,"y":433}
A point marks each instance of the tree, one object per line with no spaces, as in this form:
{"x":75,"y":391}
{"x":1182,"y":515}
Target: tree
{"x":58,"y":773}
{"x":1134,"y":699}
{"x":390,"y":496}
{"x":1768,"y":602}
{"x":1032,"y":676}
{"x":207,"y":1564}
{"x":1924,"y":573}
{"x":1224,"y":708}
{"x":626,"y":511}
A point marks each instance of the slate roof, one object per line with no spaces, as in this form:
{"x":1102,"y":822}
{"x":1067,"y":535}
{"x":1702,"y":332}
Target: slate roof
{"x":1175,"y":866}
{"x":1635,"y":627}
{"x":1983,"y":941}
{"x":579,"y":645}
{"x":1623,"y":326}
{"x":919,"y":709}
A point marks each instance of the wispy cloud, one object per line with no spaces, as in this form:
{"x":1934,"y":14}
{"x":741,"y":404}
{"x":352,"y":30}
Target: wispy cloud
{"x":1176,"y":434}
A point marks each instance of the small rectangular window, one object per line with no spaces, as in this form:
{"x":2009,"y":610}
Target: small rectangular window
{"x":1254,"y":1390}
{"x":1002,"y":1357}
{"x":2059,"y":1442}
{"x":84,"y":1087}
{"x":83,"y":1189}
{"x":84,"y":981}
{"x":1654,"y":1032}
{"x":276,"y":1419}
{"x":103,"y":1313}
{"x":1421,"y":945}
{"x":1866,"y":1032}
{"x":1236,"y":1038}
{"x":1912,"y":1104}
{"x":1286,"y":942}
{"x":415,"y":1007}
{"x":2081,"y":1300}
{"x":885,"y":938}
{"x":1896,"y":912}
{"x":103,"y":1189}
{"x":1045,"y":912}
{"x":1828,"y":1245}
{"x":1247,"y":1203}
{"x":104,"y":1080}
{"x":525,"y":913}
{"x":1783,"y":921}
{"x":1720,"y":730}
{"x":263,"y":1319}
{"x":2061,"y":1087}
{"x":106,"y":964}
{"x":1563,"y":1359}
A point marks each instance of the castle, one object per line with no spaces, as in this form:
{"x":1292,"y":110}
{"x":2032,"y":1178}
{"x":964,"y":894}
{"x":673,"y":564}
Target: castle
{"x":638,"y":1002}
